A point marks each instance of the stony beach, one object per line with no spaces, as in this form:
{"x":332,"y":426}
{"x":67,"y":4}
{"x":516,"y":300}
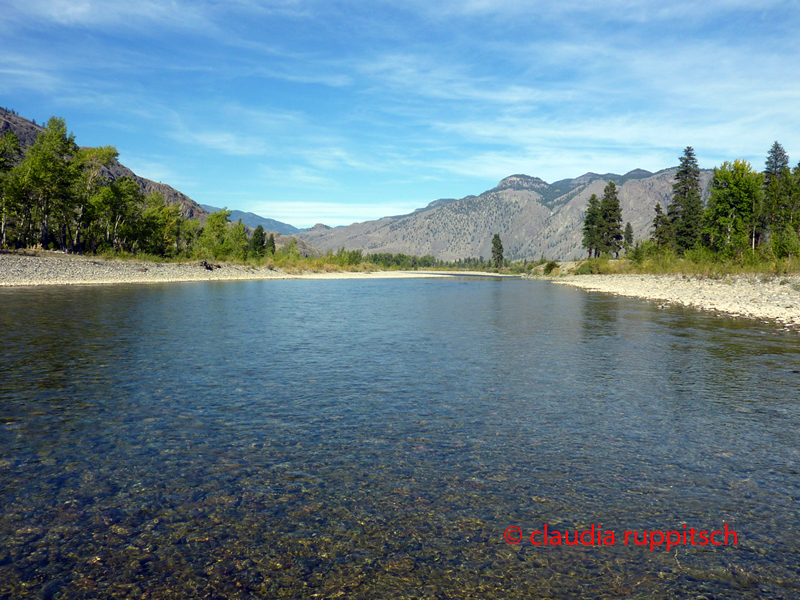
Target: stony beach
{"x":774,"y":299}
{"x":62,"y":269}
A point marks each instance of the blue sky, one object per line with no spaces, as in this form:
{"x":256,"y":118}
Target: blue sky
{"x":338,"y":112}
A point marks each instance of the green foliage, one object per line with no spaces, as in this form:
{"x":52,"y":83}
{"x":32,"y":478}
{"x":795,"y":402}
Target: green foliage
{"x":401,"y":261}
{"x":627,"y":237}
{"x":157,"y":226}
{"x":602,"y":224}
{"x":685,"y":214}
{"x":591,"y":227}
{"x":610,"y":226}
{"x":345,"y":258}
{"x":497,"y":250}
{"x":733,"y":208}
{"x":550,"y":267}
{"x":239,"y":243}
{"x":9,"y":154}
{"x":662,"y":229}
{"x":641,"y":250}
{"x":270,"y":245}
{"x":596,"y":266}
{"x":214,"y":241}
{"x":289,"y":251}
{"x":785,"y":242}
{"x":258,"y":243}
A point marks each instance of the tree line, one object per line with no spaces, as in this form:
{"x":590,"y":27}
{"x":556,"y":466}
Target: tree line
{"x":746,"y":211}
{"x":53,"y":196}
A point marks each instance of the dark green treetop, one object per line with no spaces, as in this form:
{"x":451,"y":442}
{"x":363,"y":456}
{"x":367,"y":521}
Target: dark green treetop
{"x":258,"y":242}
{"x":611,"y":220}
{"x":497,"y":250}
{"x":628,"y":235}
{"x":686,"y":211}
{"x":662,"y":230}
{"x":591,"y":226}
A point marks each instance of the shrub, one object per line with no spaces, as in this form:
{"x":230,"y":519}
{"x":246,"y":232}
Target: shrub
{"x":550,"y":266}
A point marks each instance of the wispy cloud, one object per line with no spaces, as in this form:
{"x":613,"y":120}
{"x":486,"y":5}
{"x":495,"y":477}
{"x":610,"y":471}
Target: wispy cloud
{"x":92,"y":13}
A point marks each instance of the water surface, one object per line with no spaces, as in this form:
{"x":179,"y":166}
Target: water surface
{"x":375,"y":439}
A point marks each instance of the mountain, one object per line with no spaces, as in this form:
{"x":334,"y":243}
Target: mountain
{"x":533,"y":218}
{"x":253,"y":220}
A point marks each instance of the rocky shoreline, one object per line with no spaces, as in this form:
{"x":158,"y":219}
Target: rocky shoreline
{"x":17,"y":270}
{"x":771,"y":299}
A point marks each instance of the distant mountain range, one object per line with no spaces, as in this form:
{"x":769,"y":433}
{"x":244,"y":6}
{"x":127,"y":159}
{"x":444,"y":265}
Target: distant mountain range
{"x":253,"y":220}
{"x":533,"y":218}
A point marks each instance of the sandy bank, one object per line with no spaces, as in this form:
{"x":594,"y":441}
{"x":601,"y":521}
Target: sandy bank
{"x":60,"y":269}
{"x":774,"y":299}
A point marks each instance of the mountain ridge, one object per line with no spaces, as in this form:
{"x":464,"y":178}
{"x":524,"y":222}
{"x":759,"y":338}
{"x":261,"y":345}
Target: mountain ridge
{"x":533,"y":218}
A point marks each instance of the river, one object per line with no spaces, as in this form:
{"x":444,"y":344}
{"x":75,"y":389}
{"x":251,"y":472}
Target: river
{"x":392,"y":439}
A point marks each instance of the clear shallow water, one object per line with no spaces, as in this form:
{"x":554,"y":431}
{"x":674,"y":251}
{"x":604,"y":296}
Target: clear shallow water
{"x":361,"y":439}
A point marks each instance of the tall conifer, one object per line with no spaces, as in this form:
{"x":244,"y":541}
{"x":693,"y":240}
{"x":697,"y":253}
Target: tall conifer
{"x":610,"y":220}
{"x":591,"y":227}
{"x":686,"y":211}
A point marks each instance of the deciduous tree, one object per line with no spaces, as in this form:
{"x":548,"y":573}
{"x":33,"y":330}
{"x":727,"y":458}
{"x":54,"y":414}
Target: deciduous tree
{"x":734,"y":205}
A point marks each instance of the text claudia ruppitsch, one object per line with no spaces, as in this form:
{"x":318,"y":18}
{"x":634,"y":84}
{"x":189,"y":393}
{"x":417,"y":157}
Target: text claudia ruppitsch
{"x":597,"y":536}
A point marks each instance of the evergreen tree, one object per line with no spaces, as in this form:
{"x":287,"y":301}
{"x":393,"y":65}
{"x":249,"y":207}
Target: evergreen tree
{"x":777,"y":164}
{"x":497,"y":250}
{"x":778,"y":191}
{"x":628,"y":236}
{"x":610,"y":226}
{"x":662,"y":231}
{"x":591,"y":227}
{"x":686,"y":211}
{"x":258,"y":242}
{"x":271,"y":244}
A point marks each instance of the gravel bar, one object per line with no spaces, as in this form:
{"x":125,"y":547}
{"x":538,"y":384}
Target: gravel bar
{"x":55,"y":268}
{"x":772,"y":299}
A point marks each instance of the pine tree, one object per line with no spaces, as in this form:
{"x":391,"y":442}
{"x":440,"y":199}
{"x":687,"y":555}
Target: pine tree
{"x":258,"y":242}
{"x":497,"y":250}
{"x":628,"y":236}
{"x":686,"y":211}
{"x":591,"y":226}
{"x":662,"y":231}
{"x":778,"y":184}
{"x":610,"y":221}
{"x":271,"y":244}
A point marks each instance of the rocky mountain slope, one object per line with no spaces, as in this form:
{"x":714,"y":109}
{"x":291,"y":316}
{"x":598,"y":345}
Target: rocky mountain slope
{"x":533,"y":218}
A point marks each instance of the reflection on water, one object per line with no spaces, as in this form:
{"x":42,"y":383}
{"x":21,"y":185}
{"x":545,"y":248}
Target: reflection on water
{"x":359,"y":439}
